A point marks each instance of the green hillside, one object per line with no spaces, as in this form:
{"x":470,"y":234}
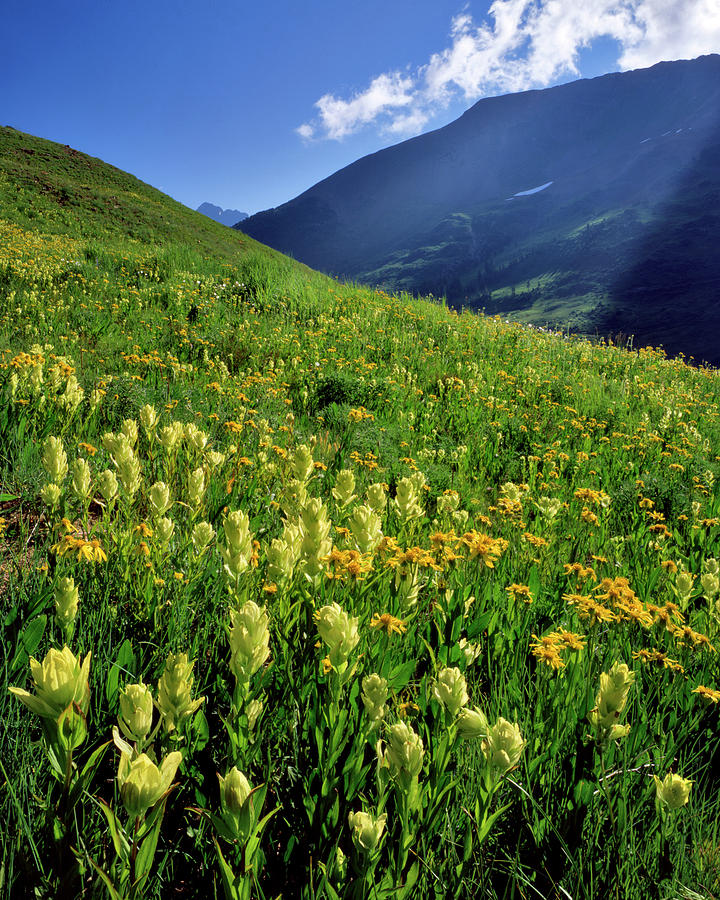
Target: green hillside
{"x":307,"y":590}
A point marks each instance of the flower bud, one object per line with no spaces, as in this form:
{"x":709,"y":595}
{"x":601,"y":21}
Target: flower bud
{"x":511,"y":491}
{"x":407,"y":585}
{"x":169,"y":436}
{"x":376,"y":497}
{"x":407,"y":504}
{"x":214,"y":458}
{"x":316,"y":542}
{"x":673,"y":792}
{"x":142,"y":783}
{"x":344,"y":490}
{"x":96,"y":396}
{"x":470,"y":651}
{"x":128,"y":466}
{"x":280,"y":561}
{"x":339,"y":631}
{"x":196,"y":487}
{"x":450,"y":690}
{"x":130,"y":431}
{"x":249,"y":639}
{"x":148,"y":417}
{"x":610,"y":702}
{"x":366,"y":527}
{"x":374,"y":696}
{"x":54,"y":459}
{"x":196,"y":438}
{"x":294,"y":498}
{"x":164,"y":529}
{"x":66,"y":602}
{"x":50,"y":495}
{"x":340,"y":865}
{"x":683,"y":586}
{"x":503,"y":746}
{"x":159,"y":498}
{"x":404,"y":754}
{"x":710,"y":584}
{"x":107,"y":484}
{"x":202,"y":534}
{"x":292,"y":535}
{"x":234,"y":791}
{"x":448,"y":503}
{"x":366,"y":830}
{"x":549,"y":507}
{"x":238,"y":552}
{"x":175,"y":701}
{"x":81,"y":478}
{"x":253,"y":711}
{"x":301,"y":463}
{"x":472,"y":723}
{"x":136,"y":711}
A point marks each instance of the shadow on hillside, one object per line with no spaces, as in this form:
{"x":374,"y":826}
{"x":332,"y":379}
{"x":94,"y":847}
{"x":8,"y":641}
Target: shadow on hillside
{"x":670,"y":296}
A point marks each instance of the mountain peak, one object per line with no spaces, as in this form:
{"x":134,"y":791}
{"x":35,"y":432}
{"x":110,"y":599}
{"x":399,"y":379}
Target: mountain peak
{"x":223,"y":216}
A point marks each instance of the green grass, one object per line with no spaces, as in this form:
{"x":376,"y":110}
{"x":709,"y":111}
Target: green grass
{"x":294,"y":380}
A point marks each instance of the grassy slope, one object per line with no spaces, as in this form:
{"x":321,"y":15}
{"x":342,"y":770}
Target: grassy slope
{"x":54,"y":189}
{"x":110,"y":286}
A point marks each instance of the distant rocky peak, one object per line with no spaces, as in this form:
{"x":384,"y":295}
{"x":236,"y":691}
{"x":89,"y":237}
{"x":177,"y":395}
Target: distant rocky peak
{"x":223,"y":216}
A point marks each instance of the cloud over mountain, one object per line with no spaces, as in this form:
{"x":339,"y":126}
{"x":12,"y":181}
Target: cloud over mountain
{"x":522,"y":44}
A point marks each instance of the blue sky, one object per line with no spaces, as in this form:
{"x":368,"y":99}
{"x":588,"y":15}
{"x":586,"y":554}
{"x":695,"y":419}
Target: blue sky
{"x":247,"y":105}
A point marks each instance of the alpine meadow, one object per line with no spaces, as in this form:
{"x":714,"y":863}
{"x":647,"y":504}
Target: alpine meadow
{"x":308,"y":590}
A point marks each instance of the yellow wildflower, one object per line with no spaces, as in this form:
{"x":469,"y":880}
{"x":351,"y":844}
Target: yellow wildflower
{"x":389,"y":623}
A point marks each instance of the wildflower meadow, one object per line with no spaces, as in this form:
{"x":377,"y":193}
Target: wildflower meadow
{"x":311,"y":591}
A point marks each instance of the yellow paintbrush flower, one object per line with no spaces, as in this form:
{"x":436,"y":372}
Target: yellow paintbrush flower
{"x":60,"y":680}
{"x":673,"y":792}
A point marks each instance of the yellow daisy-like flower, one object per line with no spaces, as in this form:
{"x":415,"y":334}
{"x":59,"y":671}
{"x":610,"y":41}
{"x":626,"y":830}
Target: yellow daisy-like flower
{"x":404,"y":707}
{"x":519,"y":592}
{"x":389,"y":623}
{"x":547,"y":653}
{"x":570,"y":640}
{"x":706,"y":694}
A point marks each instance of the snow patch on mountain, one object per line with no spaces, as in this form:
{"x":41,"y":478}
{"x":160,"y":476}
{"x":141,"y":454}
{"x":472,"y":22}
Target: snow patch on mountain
{"x":535,"y":190}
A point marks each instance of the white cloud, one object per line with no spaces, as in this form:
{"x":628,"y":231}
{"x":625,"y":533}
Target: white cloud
{"x":387,"y":92}
{"x":522,"y":44}
{"x":673,"y":30}
{"x":305,"y":131}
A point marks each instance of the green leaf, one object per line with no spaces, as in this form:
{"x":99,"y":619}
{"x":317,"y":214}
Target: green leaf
{"x":401,"y":674}
{"x":88,"y":773}
{"x":487,"y":823}
{"x":107,"y":882}
{"x":231,"y":884}
{"x":28,"y":642}
{"x":122,"y":847}
{"x":200,"y":730}
{"x":146,"y":853}
{"x":125,"y":663}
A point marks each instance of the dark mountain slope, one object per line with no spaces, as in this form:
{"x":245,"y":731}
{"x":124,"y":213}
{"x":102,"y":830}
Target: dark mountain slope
{"x":628,"y":164}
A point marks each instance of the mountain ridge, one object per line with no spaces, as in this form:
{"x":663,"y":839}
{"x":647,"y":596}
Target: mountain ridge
{"x":228,"y":217}
{"x":432,"y":214}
